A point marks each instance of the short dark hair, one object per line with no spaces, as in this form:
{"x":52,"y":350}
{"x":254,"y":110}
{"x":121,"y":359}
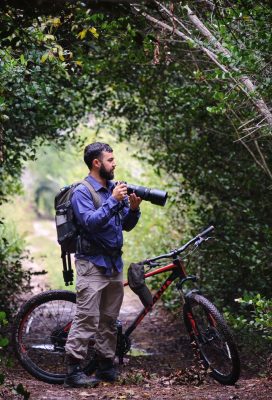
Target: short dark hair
{"x":93,"y":151}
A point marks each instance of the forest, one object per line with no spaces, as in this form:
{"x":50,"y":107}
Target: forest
{"x":184,"y":88}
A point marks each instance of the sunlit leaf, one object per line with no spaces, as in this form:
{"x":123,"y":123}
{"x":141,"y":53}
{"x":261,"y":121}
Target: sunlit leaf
{"x":44,"y":57}
{"x":56,"y":22}
{"x":94,"y":32}
{"x":48,"y":37}
{"x":82,"y":34}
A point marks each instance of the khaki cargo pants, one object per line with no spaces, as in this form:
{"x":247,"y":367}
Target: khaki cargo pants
{"x":99,"y":299}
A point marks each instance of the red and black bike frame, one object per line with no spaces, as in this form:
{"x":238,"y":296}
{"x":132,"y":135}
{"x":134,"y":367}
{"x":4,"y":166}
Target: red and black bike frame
{"x":178,"y":271}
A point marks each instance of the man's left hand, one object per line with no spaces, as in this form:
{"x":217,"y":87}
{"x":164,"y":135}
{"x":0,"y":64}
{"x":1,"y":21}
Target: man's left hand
{"x":134,"y":201}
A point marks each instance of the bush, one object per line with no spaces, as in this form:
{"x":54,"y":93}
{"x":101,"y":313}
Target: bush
{"x":8,"y":389}
{"x":258,"y":314}
{"x":14,"y":280}
{"x":253,"y":330}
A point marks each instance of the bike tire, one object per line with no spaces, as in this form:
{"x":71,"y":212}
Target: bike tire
{"x":37,"y":334}
{"x":212,"y":338}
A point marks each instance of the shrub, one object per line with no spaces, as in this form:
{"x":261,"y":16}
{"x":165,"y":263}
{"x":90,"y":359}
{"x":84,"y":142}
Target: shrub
{"x":13,"y":278}
{"x":258,"y":314}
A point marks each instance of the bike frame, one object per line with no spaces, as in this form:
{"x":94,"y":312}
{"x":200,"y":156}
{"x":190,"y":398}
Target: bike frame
{"x":178,"y":271}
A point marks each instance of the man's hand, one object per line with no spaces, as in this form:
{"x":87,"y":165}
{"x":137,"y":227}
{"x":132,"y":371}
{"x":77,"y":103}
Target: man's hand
{"x":134,"y":201}
{"x":120,"y":191}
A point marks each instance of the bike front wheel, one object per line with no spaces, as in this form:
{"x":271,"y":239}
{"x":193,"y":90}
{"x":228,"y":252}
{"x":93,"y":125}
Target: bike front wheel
{"x":40,"y":331}
{"x":212,"y":339}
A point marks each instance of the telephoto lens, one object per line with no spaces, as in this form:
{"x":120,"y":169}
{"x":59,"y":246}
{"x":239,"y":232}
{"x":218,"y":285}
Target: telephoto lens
{"x":155,"y":196}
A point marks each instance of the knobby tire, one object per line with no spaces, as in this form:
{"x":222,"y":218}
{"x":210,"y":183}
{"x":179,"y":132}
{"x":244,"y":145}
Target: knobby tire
{"x":38,"y":335}
{"x":212,"y":339}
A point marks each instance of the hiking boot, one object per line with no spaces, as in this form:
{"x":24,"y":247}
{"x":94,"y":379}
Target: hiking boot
{"x":106,"y":370}
{"x":77,"y":378}
{"x":92,"y":365}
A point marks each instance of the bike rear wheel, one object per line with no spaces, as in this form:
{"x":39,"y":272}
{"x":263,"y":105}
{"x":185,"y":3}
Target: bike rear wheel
{"x":212,"y":338}
{"x":40,"y":331}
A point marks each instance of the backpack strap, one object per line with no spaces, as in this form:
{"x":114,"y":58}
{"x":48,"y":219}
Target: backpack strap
{"x":96,"y":198}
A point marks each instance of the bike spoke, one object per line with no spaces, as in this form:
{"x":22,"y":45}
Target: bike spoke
{"x":37,"y":334}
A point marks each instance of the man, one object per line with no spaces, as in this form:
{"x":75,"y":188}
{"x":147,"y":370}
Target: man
{"x":99,"y":266}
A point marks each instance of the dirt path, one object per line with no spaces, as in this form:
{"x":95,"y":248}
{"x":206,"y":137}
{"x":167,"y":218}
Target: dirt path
{"x":149,"y":388}
{"x":160,"y":366}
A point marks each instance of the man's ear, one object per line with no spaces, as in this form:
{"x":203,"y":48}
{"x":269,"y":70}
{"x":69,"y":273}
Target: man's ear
{"x":96,"y":163}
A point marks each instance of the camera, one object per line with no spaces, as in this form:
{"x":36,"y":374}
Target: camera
{"x":155,"y":196}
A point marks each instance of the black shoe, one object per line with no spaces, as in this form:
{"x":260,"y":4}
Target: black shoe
{"x":106,"y":371}
{"x":77,"y":378}
{"x":92,"y":366}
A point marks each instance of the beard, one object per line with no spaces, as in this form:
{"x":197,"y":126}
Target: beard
{"x":108,"y":175}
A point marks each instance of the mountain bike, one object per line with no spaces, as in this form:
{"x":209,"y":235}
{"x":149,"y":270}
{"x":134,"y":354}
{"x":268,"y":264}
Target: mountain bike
{"x":42,"y":325}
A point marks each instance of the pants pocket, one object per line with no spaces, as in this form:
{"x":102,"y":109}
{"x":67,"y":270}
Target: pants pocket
{"x":83,"y":267}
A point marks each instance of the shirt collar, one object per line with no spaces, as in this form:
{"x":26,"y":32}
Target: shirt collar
{"x":96,"y":185}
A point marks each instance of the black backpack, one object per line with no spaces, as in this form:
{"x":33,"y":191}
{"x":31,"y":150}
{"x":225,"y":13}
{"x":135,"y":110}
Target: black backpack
{"x":67,"y":228}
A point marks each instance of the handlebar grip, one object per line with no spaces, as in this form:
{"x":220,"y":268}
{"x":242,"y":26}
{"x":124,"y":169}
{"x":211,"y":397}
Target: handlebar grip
{"x":208,"y":230}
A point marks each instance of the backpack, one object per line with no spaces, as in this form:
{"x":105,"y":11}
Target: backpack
{"x":67,"y":227}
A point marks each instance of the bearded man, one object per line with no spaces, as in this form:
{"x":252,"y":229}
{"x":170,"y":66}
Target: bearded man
{"x":99,"y":266}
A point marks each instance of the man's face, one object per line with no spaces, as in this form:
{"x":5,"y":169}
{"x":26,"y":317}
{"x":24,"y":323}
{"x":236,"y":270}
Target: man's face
{"x":107,"y":165}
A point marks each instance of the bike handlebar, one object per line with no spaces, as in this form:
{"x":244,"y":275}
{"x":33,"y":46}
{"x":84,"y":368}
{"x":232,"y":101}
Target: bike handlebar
{"x":206,"y":231}
{"x":182,"y":248}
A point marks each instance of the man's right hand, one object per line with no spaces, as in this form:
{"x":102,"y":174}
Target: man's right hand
{"x":120,"y":191}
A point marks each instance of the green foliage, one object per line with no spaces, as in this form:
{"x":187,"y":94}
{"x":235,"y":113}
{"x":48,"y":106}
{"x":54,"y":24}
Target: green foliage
{"x":13,"y":279}
{"x":3,"y":340}
{"x":53,"y":71}
{"x":258,"y":314}
{"x":252,"y":324}
{"x":21,"y":390}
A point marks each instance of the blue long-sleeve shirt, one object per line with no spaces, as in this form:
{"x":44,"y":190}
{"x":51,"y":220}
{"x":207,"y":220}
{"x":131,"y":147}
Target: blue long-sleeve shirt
{"x":105,"y":224}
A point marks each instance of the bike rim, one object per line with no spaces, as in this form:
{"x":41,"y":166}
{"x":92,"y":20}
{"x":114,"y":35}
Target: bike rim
{"x":42,"y":337}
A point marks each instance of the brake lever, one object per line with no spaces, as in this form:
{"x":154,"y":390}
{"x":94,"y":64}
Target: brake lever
{"x":201,"y":240}
{"x":209,"y":237}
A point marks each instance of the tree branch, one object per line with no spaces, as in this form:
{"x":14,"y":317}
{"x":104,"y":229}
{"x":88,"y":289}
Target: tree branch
{"x":245,"y":80}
